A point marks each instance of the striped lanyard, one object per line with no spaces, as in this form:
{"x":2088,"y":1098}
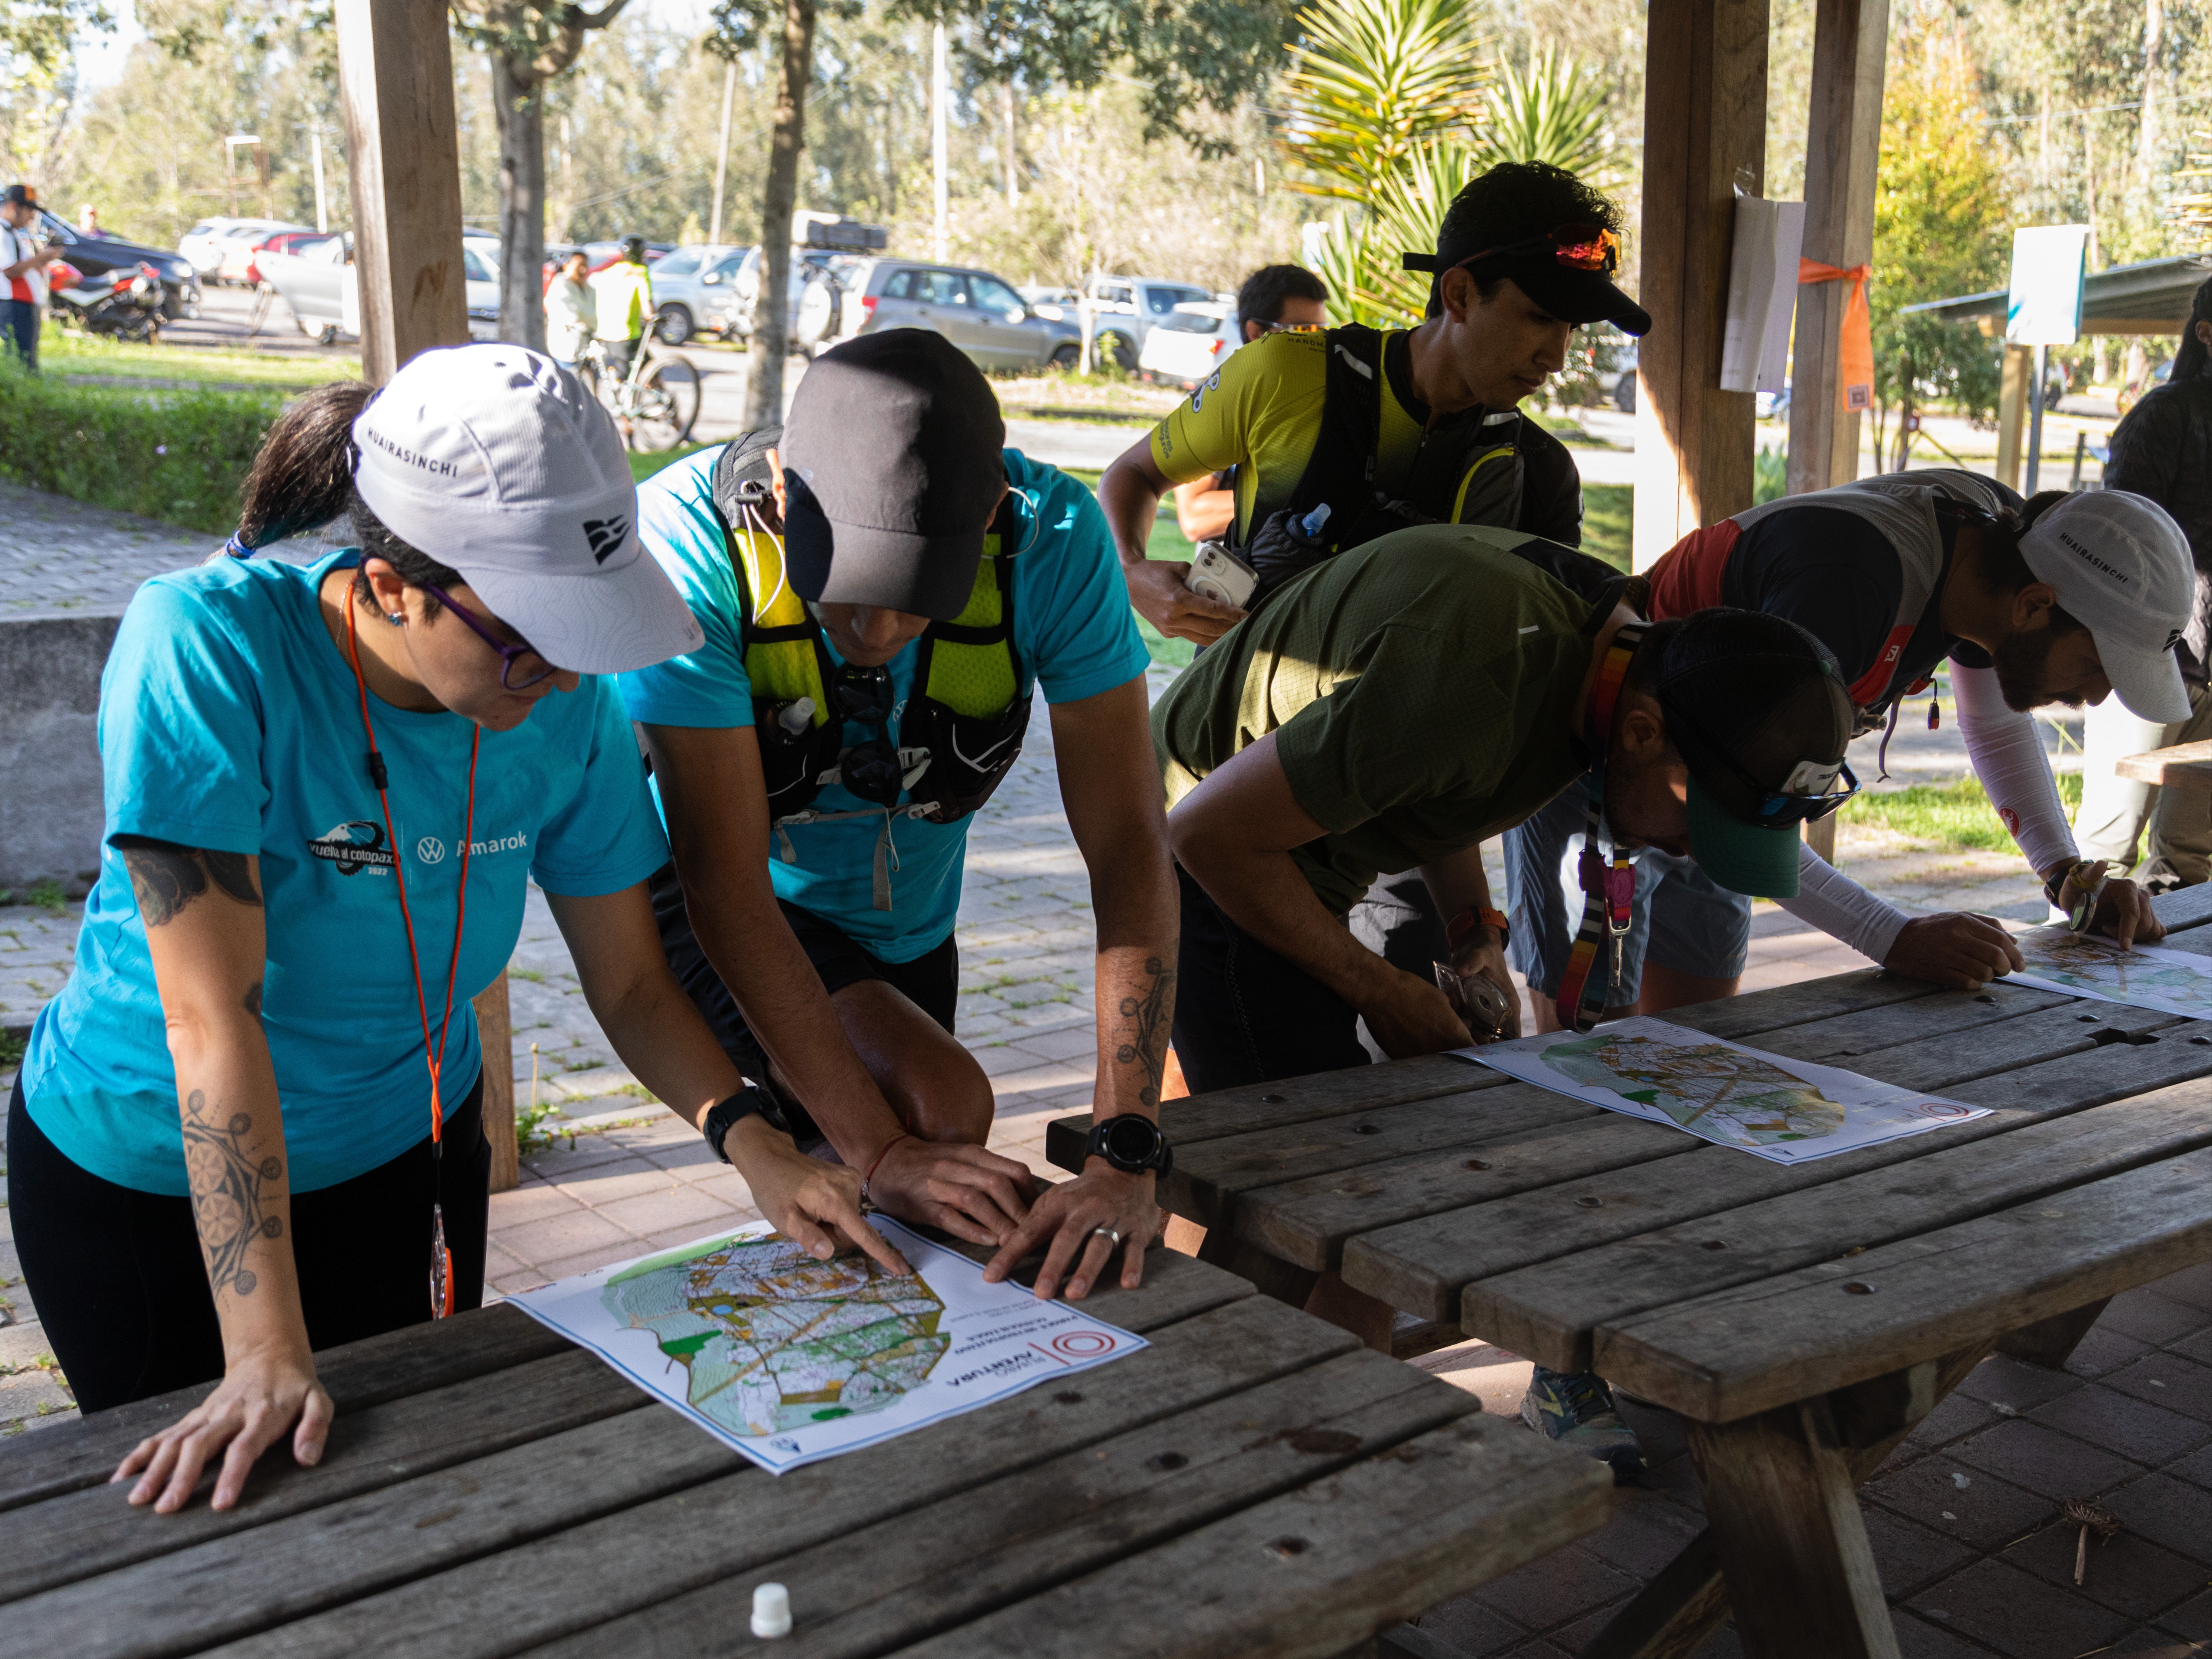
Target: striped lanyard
{"x":1608,"y":887}
{"x":442,"y":1255}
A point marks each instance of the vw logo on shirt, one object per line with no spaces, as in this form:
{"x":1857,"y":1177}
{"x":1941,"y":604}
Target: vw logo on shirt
{"x":430,"y":849}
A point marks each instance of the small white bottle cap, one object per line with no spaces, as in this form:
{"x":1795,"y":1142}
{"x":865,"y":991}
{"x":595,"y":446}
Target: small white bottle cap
{"x":771,"y":1610}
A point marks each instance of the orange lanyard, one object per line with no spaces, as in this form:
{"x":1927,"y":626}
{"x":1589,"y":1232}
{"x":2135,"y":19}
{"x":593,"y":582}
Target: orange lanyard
{"x":441,"y":1257}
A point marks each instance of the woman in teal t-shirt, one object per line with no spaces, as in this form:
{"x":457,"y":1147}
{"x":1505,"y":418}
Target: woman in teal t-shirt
{"x":248,"y":1128}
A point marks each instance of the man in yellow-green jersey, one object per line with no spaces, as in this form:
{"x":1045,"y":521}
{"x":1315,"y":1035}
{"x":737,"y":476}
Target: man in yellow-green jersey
{"x":1390,"y":429}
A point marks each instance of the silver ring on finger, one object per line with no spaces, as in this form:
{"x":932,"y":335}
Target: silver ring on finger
{"x":1110,"y":1233}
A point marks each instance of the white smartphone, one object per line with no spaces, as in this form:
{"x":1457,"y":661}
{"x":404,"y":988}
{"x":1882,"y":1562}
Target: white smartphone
{"x":1217,"y":574}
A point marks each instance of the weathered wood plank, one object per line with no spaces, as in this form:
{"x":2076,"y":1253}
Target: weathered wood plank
{"x":655,"y":1551}
{"x":1319,"y":1569}
{"x":2196,"y":940}
{"x":1420,"y":1266}
{"x":34,"y":1467}
{"x":2183,"y":907}
{"x":1262,"y":1105}
{"x":1548,"y":1311}
{"x":191,"y":1598}
{"x":1793,"y":1545}
{"x":1783,"y":1007}
{"x":922,"y":1572}
{"x":1307,"y":1222}
{"x":1757,"y":1346}
{"x":1208,"y":1183}
{"x":93,"y":1530}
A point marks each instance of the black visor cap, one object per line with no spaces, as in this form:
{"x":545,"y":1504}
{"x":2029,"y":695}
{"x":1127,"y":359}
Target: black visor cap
{"x":1747,"y":698}
{"x":1567,"y":292}
{"x":892,"y":469}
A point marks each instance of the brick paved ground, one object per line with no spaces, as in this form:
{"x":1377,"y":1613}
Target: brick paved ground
{"x":1975,"y":1569}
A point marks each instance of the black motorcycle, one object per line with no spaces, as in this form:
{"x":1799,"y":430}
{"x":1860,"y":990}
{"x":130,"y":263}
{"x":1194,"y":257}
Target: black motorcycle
{"x":125,"y":302}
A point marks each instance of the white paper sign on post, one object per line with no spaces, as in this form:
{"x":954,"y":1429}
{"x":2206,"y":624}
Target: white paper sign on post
{"x":1762,"y":294}
{"x":2043,"y":307}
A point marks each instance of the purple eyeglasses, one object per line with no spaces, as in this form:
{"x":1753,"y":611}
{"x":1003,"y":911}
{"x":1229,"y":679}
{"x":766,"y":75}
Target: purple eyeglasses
{"x":509,"y":655}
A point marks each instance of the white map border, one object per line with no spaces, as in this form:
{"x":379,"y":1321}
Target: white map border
{"x":1000,"y":1356}
{"x":1522,"y":1059}
{"x":2189,"y":959}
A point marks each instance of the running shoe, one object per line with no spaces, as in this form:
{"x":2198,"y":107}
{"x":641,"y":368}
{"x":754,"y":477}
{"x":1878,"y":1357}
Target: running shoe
{"x":1575,"y":1408}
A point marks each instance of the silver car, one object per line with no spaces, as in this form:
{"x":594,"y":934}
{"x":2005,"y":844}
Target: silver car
{"x":1127,"y":309}
{"x":692,"y":288}
{"x":979,"y":313}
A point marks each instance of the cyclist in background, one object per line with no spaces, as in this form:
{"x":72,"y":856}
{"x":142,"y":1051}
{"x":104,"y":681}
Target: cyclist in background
{"x":623,"y":295}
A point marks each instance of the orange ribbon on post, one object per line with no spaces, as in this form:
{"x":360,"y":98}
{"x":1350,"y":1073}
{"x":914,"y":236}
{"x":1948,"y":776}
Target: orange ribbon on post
{"x":1855,"y":353}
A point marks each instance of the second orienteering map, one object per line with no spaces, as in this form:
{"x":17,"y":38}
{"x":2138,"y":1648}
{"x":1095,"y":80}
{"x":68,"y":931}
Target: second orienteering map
{"x":1783,"y":1111}
{"x":2145,"y":976}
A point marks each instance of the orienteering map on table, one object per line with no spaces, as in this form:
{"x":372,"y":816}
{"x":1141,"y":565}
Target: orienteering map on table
{"x":789,"y":1359}
{"x":1787,"y":1111}
{"x":2143,"y":976}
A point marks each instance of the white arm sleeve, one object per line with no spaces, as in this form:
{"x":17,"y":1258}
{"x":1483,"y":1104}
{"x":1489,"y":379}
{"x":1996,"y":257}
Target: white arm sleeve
{"x":2008,"y":755}
{"x":1841,"y":908}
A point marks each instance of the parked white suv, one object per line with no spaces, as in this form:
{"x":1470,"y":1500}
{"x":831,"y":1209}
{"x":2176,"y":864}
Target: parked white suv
{"x":1128,"y":309}
{"x":1190,"y":343}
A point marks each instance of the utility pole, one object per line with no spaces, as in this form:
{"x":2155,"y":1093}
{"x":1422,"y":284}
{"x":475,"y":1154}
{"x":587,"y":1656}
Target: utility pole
{"x":1013,"y":181}
{"x":322,"y":203}
{"x":722,"y":149}
{"x":940,"y":83}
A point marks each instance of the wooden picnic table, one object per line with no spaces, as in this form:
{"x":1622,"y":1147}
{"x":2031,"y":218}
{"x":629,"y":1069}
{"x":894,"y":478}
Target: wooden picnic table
{"x":2183,"y":765}
{"x":1254,"y":1482}
{"x":1799,"y":1318}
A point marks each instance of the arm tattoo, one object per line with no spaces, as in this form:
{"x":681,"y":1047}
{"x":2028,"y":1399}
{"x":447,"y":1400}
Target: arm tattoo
{"x":227,"y":1187}
{"x":1151,"y":1013}
{"x":166,"y":876}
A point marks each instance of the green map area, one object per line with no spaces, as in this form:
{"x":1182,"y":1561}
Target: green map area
{"x":2099,"y":964}
{"x":1707,"y":1088}
{"x":774,"y":1340}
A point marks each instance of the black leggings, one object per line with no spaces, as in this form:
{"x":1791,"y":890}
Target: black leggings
{"x":118,"y":1280}
{"x":1244,"y":1014}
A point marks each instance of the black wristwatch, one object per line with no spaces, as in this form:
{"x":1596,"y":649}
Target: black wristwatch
{"x":721,"y":1119}
{"x":1131,"y":1144}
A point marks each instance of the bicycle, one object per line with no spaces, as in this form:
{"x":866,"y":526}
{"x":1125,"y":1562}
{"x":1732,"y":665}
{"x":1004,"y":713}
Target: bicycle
{"x":655,"y":405}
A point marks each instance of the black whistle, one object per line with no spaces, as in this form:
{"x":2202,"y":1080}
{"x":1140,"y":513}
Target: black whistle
{"x":377,"y":776}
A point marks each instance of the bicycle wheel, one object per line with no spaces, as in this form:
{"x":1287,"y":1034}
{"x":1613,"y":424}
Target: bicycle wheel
{"x":664,"y":403}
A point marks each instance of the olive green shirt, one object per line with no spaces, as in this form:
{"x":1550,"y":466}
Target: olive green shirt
{"x":1421,"y":690}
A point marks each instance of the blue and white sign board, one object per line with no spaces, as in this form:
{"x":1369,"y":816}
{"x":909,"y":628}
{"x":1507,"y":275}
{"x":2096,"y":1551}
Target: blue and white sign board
{"x":2044,"y":304}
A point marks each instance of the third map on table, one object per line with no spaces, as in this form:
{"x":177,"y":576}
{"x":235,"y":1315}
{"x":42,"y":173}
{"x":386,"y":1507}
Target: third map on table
{"x":2084,"y":965}
{"x":1784,"y":1110}
{"x":789,"y":1359}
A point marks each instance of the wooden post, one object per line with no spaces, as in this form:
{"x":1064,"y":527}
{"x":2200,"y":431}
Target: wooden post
{"x":1704,"y":137}
{"x":1843,"y":154}
{"x":403,"y":150}
{"x":495,"y":1031}
{"x":2012,"y":412}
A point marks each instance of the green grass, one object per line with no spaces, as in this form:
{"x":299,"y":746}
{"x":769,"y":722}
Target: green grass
{"x":1608,"y":516}
{"x":176,"y":456}
{"x":1948,"y":817}
{"x":81,"y":354}
{"x":642,"y":467}
{"x":11,"y":1050}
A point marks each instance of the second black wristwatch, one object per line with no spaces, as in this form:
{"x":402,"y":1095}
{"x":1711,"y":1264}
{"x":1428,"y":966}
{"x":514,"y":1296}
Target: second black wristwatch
{"x":723,"y":1117}
{"x":1131,"y":1144}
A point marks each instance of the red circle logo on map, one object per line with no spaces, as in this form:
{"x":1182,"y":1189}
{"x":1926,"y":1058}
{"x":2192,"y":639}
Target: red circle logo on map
{"x":1082,"y":1345}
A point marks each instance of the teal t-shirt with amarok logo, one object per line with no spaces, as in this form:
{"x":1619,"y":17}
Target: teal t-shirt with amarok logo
{"x":229,"y":720}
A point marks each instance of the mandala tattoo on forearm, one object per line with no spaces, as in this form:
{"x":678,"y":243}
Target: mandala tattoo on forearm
{"x":166,"y":878}
{"x":227,"y":1188}
{"x":1151,"y":1011}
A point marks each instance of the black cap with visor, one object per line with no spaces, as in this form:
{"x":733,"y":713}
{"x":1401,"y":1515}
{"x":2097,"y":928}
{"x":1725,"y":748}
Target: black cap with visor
{"x":1568,"y":270}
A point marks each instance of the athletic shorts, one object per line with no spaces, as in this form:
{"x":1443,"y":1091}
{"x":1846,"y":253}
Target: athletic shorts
{"x":931,"y":981}
{"x":1680,"y":918}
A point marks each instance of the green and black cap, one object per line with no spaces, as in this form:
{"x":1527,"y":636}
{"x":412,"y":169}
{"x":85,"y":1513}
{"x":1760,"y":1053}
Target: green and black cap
{"x":1757,"y":707}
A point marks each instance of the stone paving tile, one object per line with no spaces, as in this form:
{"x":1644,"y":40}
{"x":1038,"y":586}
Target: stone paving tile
{"x":2015,"y":1612}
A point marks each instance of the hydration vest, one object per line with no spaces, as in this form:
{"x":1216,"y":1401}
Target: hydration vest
{"x":1902,"y":507}
{"x":964,"y":719}
{"x":1468,"y":469}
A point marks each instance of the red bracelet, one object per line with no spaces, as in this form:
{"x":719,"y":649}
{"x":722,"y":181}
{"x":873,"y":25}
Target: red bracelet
{"x":879,"y":1164}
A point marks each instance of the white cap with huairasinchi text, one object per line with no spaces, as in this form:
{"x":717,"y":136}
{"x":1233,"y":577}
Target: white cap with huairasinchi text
{"x":2121,"y":568}
{"x":494,"y":459}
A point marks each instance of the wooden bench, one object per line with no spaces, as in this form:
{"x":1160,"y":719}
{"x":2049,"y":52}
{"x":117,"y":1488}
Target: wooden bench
{"x":1799,"y":1318}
